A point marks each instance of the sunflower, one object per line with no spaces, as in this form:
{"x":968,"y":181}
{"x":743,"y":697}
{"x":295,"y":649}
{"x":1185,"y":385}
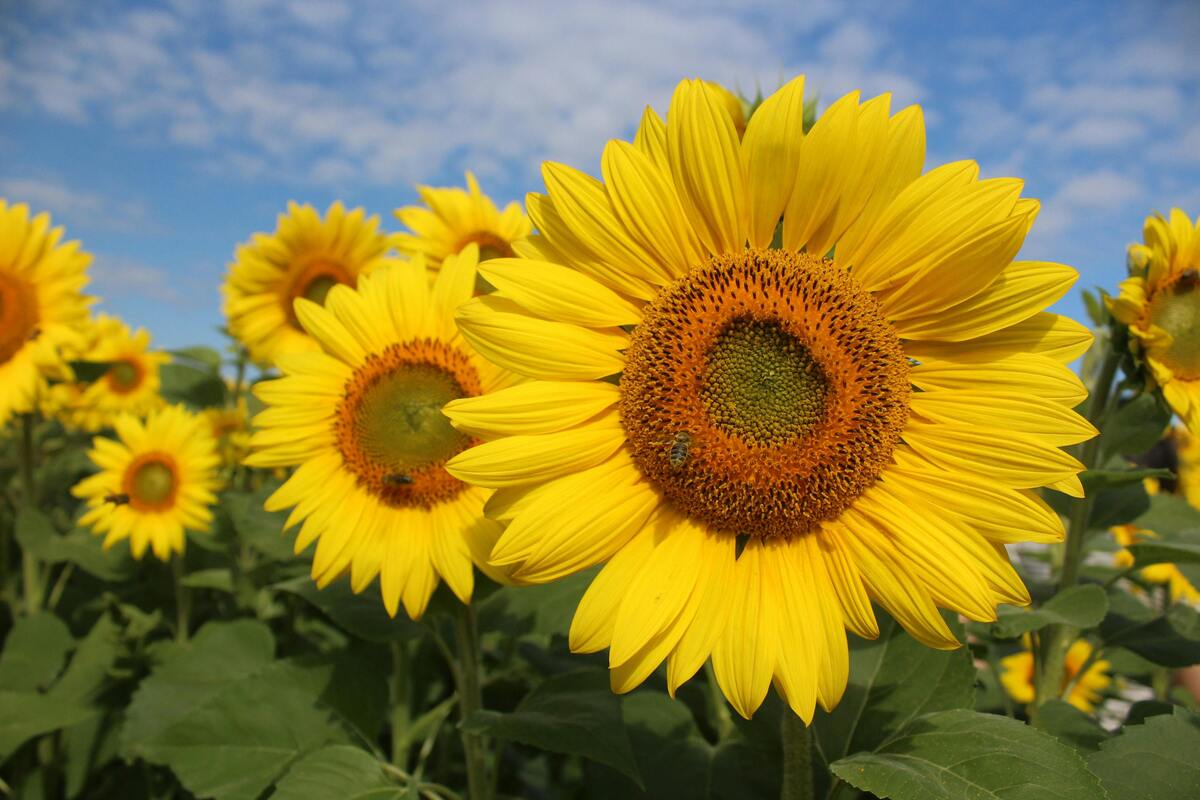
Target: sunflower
{"x":41,"y":305}
{"x":1169,"y":575}
{"x":453,"y":218}
{"x":759,"y":441}
{"x":157,"y":478}
{"x":129,"y":386}
{"x":1161,"y":307}
{"x":362,"y":419}
{"x":1086,"y":690}
{"x":305,"y":257}
{"x":230,"y":426}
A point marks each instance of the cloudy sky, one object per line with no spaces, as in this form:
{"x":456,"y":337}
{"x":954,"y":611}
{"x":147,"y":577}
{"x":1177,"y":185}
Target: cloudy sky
{"x":164,"y":133}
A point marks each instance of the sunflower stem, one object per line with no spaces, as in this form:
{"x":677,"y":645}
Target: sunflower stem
{"x":30,"y":571}
{"x":1056,"y":639}
{"x":401,"y":699}
{"x":470,"y":699}
{"x":797,"y":758}
{"x":183,"y":600}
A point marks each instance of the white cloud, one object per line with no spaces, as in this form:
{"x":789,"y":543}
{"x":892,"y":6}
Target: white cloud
{"x":79,"y":209}
{"x":123,"y":278}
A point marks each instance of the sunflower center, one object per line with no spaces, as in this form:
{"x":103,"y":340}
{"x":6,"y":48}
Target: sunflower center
{"x":1176,"y":309}
{"x":18,"y":315}
{"x":390,"y":429}
{"x":490,"y":245}
{"x":124,"y":376}
{"x":313,"y":282}
{"x":151,"y":482}
{"x":764,"y":392}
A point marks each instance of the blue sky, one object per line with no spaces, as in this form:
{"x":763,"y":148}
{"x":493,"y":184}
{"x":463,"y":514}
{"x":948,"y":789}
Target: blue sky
{"x":164,"y":133}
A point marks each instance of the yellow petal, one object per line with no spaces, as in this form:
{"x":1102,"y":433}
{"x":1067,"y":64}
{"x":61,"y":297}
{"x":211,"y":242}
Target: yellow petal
{"x":745,"y":654}
{"x":1045,"y":420}
{"x":1023,"y":373}
{"x":1013,"y":459}
{"x":532,"y":408}
{"x":559,"y":293}
{"x":592,"y":626}
{"x":771,"y":157}
{"x":1050,"y":335}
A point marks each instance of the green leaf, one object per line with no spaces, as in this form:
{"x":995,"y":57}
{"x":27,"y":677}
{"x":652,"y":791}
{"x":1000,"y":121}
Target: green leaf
{"x":204,"y":356}
{"x":1096,"y":480}
{"x":1151,"y":551}
{"x":1172,"y":640}
{"x":337,"y":771}
{"x":1135,"y":427}
{"x":575,"y":713}
{"x":1070,"y":726}
{"x":90,"y":371}
{"x":35,"y":533}
{"x":1114,"y":506}
{"x":218,"y":578}
{"x":361,"y":614}
{"x":260,"y":529}
{"x":34,"y":652}
{"x":959,"y":754}
{"x":201,"y":388}
{"x":86,"y":550}
{"x":542,"y":610}
{"x":1168,"y":515}
{"x":1080,"y":607}
{"x":1152,"y":761}
{"x":672,"y":757}
{"x":893,"y":679}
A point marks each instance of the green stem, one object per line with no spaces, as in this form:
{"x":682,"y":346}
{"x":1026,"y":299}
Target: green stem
{"x":183,"y":600}
{"x":470,"y":699}
{"x":797,"y":758}
{"x":401,"y":703}
{"x":1055,"y":640}
{"x":718,"y":709}
{"x":30,"y":571}
{"x":241,"y":375}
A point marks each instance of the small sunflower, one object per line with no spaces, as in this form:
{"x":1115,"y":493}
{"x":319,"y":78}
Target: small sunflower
{"x":362,"y":421}
{"x":130,"y":386}
{"x":42,"y":306}
{"x":1160,"y":304}
{"x":453,"y":218}
{"x":157,"y":478}
{"x":758,"y":441}
{"x":305,"y":257}
{"x":230,"y":426}
{"x":1018,"y":673}
{"x":1169,"y":575}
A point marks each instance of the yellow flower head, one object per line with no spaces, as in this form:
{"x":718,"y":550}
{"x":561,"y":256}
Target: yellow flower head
{"x":362,"y":421}
{"x":130,"y":386}
{"x":453,"y":218}
{"x":1018,"y":673}
{"x":1160,"y":304}
{"x":858,"y":414}
{"x":157,"y":478}
{"x":1168,"y":575}
{"x":305,"y":257}
{"x":42,"y":305}
{"x":230,"y":426}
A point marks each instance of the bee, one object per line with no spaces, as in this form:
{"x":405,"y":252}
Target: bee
{"x":397,"y":479}
{"x":117,"y":499}
{"x":680,"y":447}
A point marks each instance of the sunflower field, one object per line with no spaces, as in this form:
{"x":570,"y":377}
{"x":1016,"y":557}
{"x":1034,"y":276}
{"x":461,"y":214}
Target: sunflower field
{"x":755,"y":467}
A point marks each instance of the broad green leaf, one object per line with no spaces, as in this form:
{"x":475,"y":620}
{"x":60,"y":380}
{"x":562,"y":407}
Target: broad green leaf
{"x":336,"y":771}
{"x":218,"y":578}
{"x":203,"y":356}
{"x":34,"y":652}
{"x":672,"y":757}
{"x":190,"y":674}
{"x":1151,"y":551}
{"x":1153,"y":761}
{"x":361,"y":614}
{"x":1136,"y":426}
{"x":575,"y":713}
{"x":1079,"y":606}
{"x":89,"y":371}
{"x":86,"y":550}
{"x":35,"y":533}
{"x":88,"y":673}
{"x":1115,"y":505}
{"x":1096,"y":480}
{"x":1070,"y":726}
{"x":893,"y":679}
{"x":748,"y":763}
{"x":183,"y":383}
{"x":1169,"y":515}
{"x":1172,"y":640}
{"x":951,"y":755}
{"x":260,"y":529}
{"x":542,"y":610}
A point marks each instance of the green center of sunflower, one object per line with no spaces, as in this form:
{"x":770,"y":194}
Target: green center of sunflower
{"x":390,"y":428}
{"x":400,"y":421}
{"x":762,"y":384}
{"x":124,"y":376}
{"x":318,"y":288}
{"x":1176,"y":309}
{"x":18,"y":315}
{"x":154,"y":483}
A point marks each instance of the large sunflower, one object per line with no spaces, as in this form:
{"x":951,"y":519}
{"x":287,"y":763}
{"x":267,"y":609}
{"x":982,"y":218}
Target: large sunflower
{"x":453,"y":218}
{"x":861,"y":413}
{"x":41,"y":305}
{"x":362,"y":419}
{"x":1161,"y":305}
{"x":156,"y":479}
{"x":305,"y":257}
{"x":129,"y":386}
